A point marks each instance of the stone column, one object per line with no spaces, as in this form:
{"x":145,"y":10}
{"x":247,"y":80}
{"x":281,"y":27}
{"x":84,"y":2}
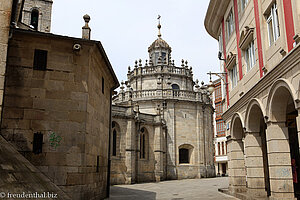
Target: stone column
{"x":236,"y":166}
{"x":158,"y":153}
{"x":281,"y":179}
{"x":199,"y":124}
{"x":171,"y":141}
{"x":254,"y":165}
{"x":130,"y":154}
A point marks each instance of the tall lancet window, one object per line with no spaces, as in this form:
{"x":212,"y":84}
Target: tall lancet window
{"x":143,"y":144}
{"x":34,"y":19}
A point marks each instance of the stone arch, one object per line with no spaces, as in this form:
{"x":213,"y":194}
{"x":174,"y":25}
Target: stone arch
{"x":281,"y":89}
{"x":237,"y":126}
{"x":236,"y":163}
{"x":115,"y":138}
{"x":254,"y":107}
{"x":34,"y":17}
{"x":282,"y":132}
{"x":258,"y":180}
{"x":185,"y":154}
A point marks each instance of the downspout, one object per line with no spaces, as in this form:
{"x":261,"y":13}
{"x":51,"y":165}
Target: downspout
{"x":109,"y":143}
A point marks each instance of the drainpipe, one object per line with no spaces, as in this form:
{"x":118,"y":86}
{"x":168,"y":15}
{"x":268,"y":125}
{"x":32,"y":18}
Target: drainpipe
{"x":109,"y":144}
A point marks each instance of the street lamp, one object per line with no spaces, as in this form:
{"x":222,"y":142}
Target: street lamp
{"x":211,"y":86}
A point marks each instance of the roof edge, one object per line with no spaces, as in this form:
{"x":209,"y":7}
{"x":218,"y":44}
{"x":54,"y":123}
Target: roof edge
{"x":214,"y":16}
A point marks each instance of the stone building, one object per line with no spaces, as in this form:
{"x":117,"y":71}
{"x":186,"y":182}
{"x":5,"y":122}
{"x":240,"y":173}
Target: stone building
{"x":220,"y":140}
{"x":259,"y":42}
{"x":162,"y":122}
{"x":55,"y":120}
{"x":37,"y":14}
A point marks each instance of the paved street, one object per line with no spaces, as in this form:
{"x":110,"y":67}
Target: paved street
{"x":175,"y":190}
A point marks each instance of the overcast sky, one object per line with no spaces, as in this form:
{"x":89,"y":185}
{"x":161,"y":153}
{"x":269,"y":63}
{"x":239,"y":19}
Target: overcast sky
{"x":126,"y":28}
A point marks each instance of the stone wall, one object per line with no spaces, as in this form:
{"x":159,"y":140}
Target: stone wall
{"x":65,"y":104}
{"x":127,"y":166}
{"x":45,"y":10}
{"x":5,"y":15}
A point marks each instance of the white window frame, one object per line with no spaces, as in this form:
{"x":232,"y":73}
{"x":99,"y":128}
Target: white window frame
{"x":273,"y":24}
{"x":233,"y":76}
{"x":230,"y":24}
{"x":243,"y":4}
{"x":250,"y":56}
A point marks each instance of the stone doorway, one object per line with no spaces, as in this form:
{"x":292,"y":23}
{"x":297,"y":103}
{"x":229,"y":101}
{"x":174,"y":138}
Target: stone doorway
{"x":256,"y":152}
{"x":294,"y":148}
{"x":282,"y":138}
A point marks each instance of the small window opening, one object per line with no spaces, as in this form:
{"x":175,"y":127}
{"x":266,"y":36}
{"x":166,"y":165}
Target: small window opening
{"x":97,"y":168}
{"x":40,"y":59}
{"x":102,"y":85}
{"x":183,"y":156}
{"x":34,"y":19}
{"x":114,"y":152}
{"x":37,"y":143}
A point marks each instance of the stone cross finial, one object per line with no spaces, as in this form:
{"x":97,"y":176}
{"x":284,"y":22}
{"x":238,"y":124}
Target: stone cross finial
{"x":159,"y":26}
{"x":86,"y":30}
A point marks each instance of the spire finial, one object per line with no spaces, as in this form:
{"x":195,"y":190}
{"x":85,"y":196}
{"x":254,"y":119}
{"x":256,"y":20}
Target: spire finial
{"x":159,"y":26}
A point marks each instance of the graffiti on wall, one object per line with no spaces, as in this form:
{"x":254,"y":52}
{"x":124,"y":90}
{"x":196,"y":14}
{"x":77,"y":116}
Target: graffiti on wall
{"x":54,"y":140}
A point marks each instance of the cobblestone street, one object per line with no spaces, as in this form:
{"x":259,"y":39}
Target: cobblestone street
{"x":177,"y":189}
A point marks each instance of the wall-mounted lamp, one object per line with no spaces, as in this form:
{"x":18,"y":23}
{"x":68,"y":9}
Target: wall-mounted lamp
{"x":211,"y":86}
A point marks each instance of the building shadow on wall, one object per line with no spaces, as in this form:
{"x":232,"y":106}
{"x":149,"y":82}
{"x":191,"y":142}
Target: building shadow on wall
{"x":122,"y":193}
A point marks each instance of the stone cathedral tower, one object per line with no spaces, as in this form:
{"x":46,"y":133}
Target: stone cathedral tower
{"x":37,"y":14}
{"x":162,"y":122}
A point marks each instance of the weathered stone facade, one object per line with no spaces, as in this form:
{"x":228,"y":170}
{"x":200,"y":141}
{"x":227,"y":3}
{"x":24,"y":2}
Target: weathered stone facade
{"x":176,"y":116}
{"x":68,"y":102}
{"x":262,"y":104}
{"x":43,"y":11}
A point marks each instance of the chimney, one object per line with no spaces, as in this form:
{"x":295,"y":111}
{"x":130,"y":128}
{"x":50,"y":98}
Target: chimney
{"x":86,"y":30}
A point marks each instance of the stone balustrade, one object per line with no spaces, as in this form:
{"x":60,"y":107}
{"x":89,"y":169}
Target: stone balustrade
{"x":124,"y":96}
{"x":160,"y":69}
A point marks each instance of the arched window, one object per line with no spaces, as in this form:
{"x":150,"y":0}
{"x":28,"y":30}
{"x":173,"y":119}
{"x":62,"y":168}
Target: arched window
{"x":143,"y":143}
{"x":185,"y":154}
{"x":175,"y":87}
{"x":115,"y":140}
{"x":34,"y":19}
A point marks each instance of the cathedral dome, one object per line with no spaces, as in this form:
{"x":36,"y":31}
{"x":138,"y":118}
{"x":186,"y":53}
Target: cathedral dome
{"x":159,"y":44}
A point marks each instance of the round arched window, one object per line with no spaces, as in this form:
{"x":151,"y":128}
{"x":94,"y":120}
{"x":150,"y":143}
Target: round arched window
{"x":175,"y":87}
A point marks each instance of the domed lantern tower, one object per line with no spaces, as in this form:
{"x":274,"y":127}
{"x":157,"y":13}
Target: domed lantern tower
{"x":158,"y":87}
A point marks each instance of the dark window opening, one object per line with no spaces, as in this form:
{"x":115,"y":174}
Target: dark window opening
{"x":113,"y":124}
{"x":114,"y":151}
{"x":102,"y":85}
{"x":97,"y":168}
{"x":37,"y":143}
{"x":175,"y":87}
{"x":142,"y":147}
{"x":34,"y":19}
{"x":183,"y":156}
{"x":40,"y":59}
